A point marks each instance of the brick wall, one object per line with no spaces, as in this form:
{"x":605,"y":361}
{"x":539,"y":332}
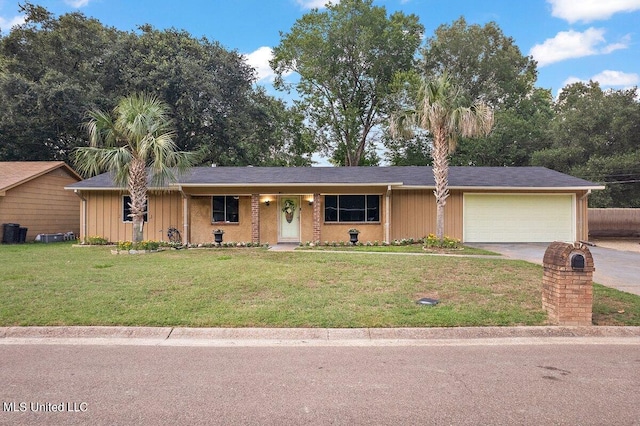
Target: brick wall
{"x":255,"y":218}
{"x":317,"y":217}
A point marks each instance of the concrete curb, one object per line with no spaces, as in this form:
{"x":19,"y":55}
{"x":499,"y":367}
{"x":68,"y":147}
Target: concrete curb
{"x":284,"y":336}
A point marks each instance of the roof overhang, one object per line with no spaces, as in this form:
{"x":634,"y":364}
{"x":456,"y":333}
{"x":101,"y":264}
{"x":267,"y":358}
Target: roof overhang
{"x":269,"y":185}
{"x":114,"y":188}
{"x":510,"y":188}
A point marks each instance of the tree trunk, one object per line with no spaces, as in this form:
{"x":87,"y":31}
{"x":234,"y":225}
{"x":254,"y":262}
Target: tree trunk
{"x":138,"y":193}
{"x":441,"y":177}
{"x":138,"y":228}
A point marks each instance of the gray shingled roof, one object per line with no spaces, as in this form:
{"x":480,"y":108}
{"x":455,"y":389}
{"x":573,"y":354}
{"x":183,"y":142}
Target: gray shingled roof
{"x":417,"y":176}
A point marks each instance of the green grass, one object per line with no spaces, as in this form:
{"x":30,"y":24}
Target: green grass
{"x":613,"y":307}
{"x":56,"y":284}
{"x":413,"y":248}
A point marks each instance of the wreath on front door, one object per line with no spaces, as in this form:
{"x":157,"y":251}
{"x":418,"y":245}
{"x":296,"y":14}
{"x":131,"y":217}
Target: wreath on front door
{"x":288,"y":209}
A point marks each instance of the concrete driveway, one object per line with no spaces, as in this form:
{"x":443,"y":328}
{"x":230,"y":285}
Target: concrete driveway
{"x":614,"y":268}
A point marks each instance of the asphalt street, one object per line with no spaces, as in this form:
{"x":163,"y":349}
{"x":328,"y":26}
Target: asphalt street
{"x":500,"y":377}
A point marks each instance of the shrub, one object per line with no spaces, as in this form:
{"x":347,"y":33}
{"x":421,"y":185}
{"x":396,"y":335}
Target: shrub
{"x":125,"y":245}
{"x":96,"y":240}
{"x":142,"y":245}
{"x":171,"y":244}
{"x":431,"y":241}
{"x":148,"y":245}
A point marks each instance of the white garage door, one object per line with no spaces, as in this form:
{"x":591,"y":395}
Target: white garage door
{"x":519,"y":218}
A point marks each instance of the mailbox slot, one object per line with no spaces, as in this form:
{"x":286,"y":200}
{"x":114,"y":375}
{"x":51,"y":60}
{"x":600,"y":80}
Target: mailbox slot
{"x":577,"y":261}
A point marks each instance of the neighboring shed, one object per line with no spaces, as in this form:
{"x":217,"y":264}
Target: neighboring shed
{"x":32,"y":195}
{"x":487,"y":204}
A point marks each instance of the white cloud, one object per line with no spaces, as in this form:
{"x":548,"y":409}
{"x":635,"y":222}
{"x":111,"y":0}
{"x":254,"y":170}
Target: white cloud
{"x":77,"y":3}
{"x":313,"y":4}
{"x":609,"y":78}
{"x":7,"y":24}
{"x":259,"y":60}
{"x":622,"y":44}
{"x":590,"y":10}
{"x":574,"y":44}
{"x":616,"y":78}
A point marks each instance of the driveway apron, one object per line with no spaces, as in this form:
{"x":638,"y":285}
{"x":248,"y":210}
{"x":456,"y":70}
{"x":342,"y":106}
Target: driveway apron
{"x":614,"y":268}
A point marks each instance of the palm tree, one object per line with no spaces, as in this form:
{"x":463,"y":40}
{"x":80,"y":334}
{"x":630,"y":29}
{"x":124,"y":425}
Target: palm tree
{"x":440,"y":111}
{"x":137,"y":139}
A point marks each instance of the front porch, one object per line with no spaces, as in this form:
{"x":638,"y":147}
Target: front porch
{"x":291,"y":217}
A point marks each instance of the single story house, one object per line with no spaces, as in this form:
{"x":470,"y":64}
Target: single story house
{"x":298,"y":204}
{"x":32,"y":195}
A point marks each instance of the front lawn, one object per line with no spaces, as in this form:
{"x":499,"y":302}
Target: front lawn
{"x":56,"y":284}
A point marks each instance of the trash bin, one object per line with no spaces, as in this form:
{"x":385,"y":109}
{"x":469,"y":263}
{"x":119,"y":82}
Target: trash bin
{"x":10,"y":233}
{"x":22,"y":235}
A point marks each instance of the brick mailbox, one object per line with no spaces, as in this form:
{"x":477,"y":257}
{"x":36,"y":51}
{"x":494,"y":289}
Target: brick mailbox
{"x":567,"y":284}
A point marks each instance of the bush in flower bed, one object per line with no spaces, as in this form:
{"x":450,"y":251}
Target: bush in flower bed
{"x":126,"y":246}
{"x":142,"y":245}
{"x":431,"y":241}
{"x":96,"y":240}
{"x":428,"y":242}
{"x":230,"y":244}
{"x":172,"y":244}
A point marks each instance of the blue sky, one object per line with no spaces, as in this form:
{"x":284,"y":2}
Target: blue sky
{"x":572,"y":40}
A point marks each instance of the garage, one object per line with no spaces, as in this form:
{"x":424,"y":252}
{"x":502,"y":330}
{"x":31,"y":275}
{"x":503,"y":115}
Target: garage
{"x":518,"y":218}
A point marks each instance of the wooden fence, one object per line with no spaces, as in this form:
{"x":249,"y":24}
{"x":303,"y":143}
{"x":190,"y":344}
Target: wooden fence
{"x":614,"y":222}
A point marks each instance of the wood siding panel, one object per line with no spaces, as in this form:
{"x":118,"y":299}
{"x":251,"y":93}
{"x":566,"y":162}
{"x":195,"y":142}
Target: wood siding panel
{"x":454,"y":215}
{"x":165,"y":211}
{"x":104,"y":216}
{"x":413,"y":214}
{"x":42,"y":205}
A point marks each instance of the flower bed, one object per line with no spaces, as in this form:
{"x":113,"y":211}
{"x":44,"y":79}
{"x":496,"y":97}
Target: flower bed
{"x":429,"y":242}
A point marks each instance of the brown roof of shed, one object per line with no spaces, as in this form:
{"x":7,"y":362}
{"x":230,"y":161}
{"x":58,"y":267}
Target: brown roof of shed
{"x":14,"y":173}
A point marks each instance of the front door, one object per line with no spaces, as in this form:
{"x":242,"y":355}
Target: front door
{"x":289,"y":218}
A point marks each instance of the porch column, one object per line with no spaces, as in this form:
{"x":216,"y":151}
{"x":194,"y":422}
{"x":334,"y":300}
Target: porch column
{"x":185,"y":218}
{"x":317,"y":216}
{"x":387,"y":219}
{"x":255,"y":218}
{"x":83,"y":216}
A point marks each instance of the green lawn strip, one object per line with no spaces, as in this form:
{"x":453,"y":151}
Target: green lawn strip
{"x":614,"y":307}
{"x":56,"y":284}
{"x":413,"y":248}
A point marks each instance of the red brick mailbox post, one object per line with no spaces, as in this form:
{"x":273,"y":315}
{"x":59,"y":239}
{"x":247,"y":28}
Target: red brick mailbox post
{"x":567,"y":284}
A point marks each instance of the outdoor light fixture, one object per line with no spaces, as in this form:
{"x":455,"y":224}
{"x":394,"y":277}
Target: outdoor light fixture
{"x":311,"y":202}
{"x":267,"y":202}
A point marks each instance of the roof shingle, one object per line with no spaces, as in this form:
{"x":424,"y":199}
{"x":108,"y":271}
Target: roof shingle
{"x":411,"y":176}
